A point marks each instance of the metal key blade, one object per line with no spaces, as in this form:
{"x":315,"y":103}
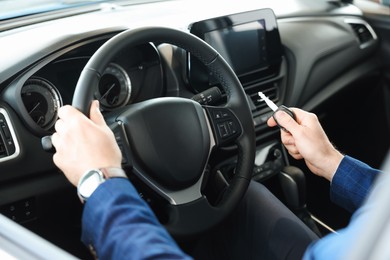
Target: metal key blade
{"x":269,"y":102}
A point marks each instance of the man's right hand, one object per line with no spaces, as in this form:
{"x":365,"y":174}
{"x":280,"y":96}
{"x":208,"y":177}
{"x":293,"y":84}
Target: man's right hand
{"x":305,"y":139}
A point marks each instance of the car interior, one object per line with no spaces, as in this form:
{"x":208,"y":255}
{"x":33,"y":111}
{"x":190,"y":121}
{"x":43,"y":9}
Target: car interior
{"x":178,"y":84}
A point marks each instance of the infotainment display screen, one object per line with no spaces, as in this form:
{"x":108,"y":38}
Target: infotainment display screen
{"x":248,"y":41}
{"x":243,"y":46}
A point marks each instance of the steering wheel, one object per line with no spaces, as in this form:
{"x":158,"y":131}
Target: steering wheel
{"x":168,"y":141}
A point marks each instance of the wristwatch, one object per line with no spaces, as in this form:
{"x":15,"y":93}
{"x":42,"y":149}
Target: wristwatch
{"x":93,"y":178}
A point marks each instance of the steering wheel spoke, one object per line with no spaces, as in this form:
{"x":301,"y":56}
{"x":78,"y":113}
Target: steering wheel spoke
{"x":173,"y":197}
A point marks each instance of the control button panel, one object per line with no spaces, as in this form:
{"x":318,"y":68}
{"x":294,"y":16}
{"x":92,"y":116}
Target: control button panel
{"x":225,"y":124}
{"x":120,"y":138}
{"x":20,"y":211}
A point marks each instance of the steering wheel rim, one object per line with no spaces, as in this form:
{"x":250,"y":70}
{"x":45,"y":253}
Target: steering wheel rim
{"x":196,"y":216}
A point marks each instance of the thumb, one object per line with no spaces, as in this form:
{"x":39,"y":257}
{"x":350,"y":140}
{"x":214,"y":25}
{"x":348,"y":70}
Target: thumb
{"x":271,"y":122}
{"x":286,"y":121}
{"x":95,"y":114}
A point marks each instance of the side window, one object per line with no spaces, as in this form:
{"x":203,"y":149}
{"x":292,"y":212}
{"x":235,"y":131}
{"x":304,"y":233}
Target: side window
{"x":385,"y":2}
{"x":377,"y":7}
{"x":382,"y":2}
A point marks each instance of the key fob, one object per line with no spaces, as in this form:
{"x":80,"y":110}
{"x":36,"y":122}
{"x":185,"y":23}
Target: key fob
{"x":288,"y":111}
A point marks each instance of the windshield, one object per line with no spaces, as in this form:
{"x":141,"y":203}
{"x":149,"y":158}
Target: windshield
{"x":18,"y":8}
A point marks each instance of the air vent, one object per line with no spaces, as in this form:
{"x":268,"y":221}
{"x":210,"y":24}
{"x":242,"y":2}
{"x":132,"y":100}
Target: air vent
{"x":363,"y":31}
{"x":271,"y":93}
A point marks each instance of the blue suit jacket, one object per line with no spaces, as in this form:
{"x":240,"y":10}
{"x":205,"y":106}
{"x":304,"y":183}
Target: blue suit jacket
{"x":118,"y":224}
{"x":350,"y":187}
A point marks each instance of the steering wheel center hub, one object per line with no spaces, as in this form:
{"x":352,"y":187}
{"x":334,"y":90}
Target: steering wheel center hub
{"x":158,"y":127}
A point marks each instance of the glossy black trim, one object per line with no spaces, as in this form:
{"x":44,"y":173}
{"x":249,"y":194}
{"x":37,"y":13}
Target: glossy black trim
{"x":273,"y":47}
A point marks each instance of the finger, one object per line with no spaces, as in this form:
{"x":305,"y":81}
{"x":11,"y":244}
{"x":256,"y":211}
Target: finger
{"x":296,"y":156}
{"x":288,"y":141}
{"x":68,"y":112}
{"x":291,"y":148}
{"x":286,"y":121}
{"x":271,"y":122}
{"x":59,"y":126}
{"x":55,"y":139}
{"x":56,"y":160}
{"x":95,"y":114}
{"x":293,"y":151}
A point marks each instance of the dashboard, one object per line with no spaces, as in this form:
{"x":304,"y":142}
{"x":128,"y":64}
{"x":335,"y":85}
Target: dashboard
{"x":299,"y":55}
{"x":291,"y":60}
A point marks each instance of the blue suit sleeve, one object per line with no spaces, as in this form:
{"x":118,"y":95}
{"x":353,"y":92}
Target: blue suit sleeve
{"x":351,"y":183}
{"x":118,"y":224}
{"x":340,"y":245}
{"x":337,"y":245}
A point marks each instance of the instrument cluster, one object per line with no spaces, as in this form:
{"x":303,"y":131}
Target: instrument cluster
{"x":134,"y":76}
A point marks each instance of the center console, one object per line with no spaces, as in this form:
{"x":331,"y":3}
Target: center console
{"x":251,"y":44}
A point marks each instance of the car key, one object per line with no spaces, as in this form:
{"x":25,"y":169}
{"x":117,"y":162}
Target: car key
{"x":275,"y":108}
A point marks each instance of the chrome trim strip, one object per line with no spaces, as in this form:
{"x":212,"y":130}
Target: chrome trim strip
{"x":369,"y":28}
{"x":13,"y":135}
{"x":323,"y":224}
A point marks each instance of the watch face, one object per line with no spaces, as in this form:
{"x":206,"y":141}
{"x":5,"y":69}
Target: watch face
{"x":89,"y":182}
